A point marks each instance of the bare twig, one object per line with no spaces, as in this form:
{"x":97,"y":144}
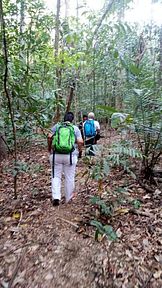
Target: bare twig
{"x":76,"y":226}
{"x":69,"y":222}
{"x":140,"y":213}
{"x":5,"y":143}
{"x":146,"y":187}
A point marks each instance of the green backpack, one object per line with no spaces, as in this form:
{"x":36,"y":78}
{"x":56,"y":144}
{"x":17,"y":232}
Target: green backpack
{"x":63,"y":141}
{"x":64,"y":138}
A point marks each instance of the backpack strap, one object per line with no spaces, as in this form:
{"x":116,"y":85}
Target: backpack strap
{"x":53,"y":164}
{"x":67,"y":123}
{"x":71,"y":158}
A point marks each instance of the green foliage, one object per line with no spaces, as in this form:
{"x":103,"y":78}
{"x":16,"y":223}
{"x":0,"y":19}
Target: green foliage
{"x":136,"y":204}
{"x":116,"y":71}
{"x":123,"y":148}
{"x":109,"y":110}
{"x":148,"y":127}
{"x":121,"y":154}
{"x":101,"y":229}
{"x":24,"y":167}
{"x":121,"y":190}
{"x":30,"y":67}
{"x":104,"y":230}
{"x":100,"y":170}
{"x":104,"y":209}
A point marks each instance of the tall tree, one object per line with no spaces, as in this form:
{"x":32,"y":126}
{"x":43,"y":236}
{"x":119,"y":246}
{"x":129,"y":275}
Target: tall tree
{"x":58,"y":69}
{"x":22,"y":16}
{"x":7,"y":92}
{"x":160,"y":68}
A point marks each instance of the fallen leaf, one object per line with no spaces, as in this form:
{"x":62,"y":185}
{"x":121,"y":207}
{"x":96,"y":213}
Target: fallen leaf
{"x":119,"y":232}
{"x":34,"y":247}
{"x":24,"y":225}
{"x":146,"y":196}
{"x":8,"y":219}
{"x":159,"y":241}
{"x":10,"y":259}
{"x":19,"y":279}
{"x":158,"y":258}
{"x":16,"y":215}
{"x":121,"y":211}
{"x":49,"y":276}
{"x":4,"y":284}
{"x":134,"y":237}
{"x":1,"y":271}
{"x":157,"y":193}
{"x":145,"y":242}
{"x":14,"y":229}
{"x":128,"y":253}
{"x":157,"y":274}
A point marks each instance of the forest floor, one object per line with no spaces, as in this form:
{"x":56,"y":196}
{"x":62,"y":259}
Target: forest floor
{"x":42,"y":246}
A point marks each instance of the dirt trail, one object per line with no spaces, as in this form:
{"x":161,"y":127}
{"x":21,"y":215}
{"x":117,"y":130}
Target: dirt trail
{"x":41,"y":246}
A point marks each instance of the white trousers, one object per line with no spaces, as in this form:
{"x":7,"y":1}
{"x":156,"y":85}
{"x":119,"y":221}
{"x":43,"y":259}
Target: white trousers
{"x":62,"y":164}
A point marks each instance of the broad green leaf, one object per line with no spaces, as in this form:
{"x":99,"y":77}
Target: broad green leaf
{"x":134,"y":69}
{"x":116,"y":54}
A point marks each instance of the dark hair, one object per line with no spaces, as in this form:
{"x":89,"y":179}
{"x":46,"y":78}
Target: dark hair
{"x":69,"y":116}
{"x":85,"y":115}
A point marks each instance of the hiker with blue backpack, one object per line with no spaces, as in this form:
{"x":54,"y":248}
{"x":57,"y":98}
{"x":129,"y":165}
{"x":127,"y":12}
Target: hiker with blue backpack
{"x":91,"y":132}
{"x":64,"y":145}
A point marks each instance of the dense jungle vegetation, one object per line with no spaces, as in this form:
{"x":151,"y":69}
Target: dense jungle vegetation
{"x":52,"y":62}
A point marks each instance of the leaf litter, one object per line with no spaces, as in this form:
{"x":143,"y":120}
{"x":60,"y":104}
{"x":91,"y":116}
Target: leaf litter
{"x":43,"y":246}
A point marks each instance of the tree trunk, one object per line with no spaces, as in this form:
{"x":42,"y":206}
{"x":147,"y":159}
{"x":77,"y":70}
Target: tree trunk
{"x":58,"y":69}
{"x":94,"y":80}
{"x":160,"y":68}
{"x":22,"y":17}
{"x":70,"y":98}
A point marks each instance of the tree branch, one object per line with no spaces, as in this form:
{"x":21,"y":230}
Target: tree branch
{"x":109,"y":6}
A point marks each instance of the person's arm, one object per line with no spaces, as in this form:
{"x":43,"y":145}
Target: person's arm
{"x":80,"y":145}
{"x":49,"y":138}
{"x":98,"y":130}
{"x":97,"y":127}
{"x":97,"y":137}
{"x":79,"y":141}
{"x":49,"y":142}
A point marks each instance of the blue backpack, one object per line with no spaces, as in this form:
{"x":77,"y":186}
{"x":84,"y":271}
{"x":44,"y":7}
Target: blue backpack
{"x":89,"y":128}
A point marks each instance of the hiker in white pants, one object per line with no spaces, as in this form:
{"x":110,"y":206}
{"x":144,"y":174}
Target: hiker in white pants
{"x":62,"y":164}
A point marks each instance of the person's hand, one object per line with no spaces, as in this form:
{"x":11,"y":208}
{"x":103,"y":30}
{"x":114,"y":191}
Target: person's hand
{"x":49,"y":135}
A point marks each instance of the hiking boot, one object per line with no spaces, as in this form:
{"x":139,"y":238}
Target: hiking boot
{"x":55,"y":202}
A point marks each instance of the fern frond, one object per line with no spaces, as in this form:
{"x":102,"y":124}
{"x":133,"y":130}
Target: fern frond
{"x":128,"y":151}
